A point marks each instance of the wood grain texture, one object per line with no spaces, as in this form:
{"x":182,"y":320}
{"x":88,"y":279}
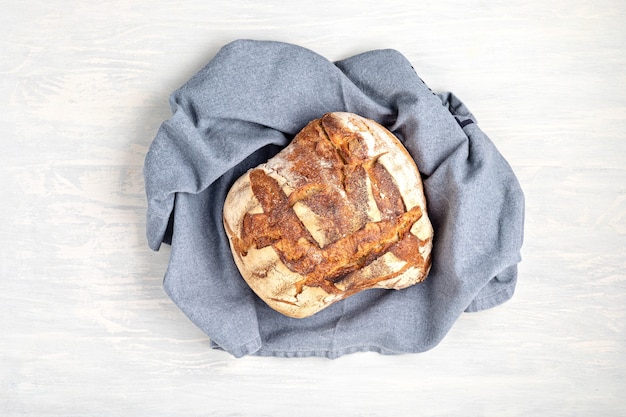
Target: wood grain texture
{"x":85,"y":328}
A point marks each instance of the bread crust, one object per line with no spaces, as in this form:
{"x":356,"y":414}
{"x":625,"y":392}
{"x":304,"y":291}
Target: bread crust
{"x":340,"y":210}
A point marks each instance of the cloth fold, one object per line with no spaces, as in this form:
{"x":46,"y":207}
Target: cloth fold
{"x":242,"y":108}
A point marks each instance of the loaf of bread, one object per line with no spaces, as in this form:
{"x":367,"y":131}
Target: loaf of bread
{"x":340,"y":210}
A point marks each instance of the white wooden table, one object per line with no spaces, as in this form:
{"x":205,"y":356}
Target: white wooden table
{"x":85,"y":327}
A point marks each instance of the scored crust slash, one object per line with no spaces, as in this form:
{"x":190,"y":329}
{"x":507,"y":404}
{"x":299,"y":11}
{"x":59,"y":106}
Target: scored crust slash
{"x":340,"y":210}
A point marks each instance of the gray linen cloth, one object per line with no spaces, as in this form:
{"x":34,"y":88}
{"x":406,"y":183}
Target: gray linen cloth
{"x":243,"y":107}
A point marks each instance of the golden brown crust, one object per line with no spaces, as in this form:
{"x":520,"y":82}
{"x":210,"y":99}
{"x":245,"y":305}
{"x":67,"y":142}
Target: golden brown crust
{"x":338,"y":211}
